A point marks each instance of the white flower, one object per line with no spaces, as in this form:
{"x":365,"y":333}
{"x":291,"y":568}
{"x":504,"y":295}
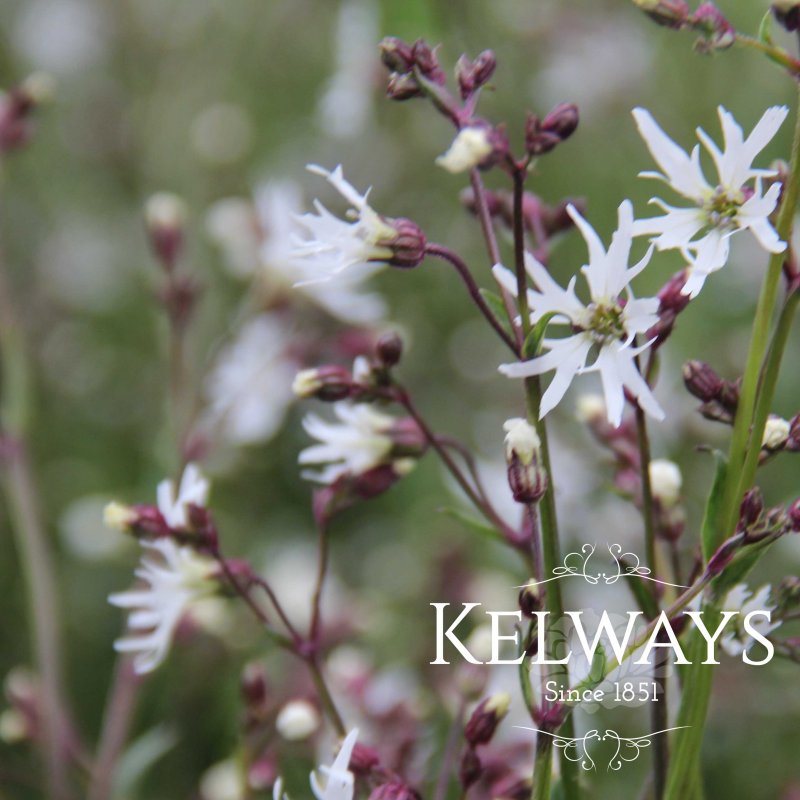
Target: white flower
{"x":521,"y":440}
{"x":223,"y":781}
{"x":279,"y":206}
{"x":720,"y":209}
{"x":471,"y":146}
{"x":339,"y":783}
{"x":297,"y":720}
{"x":776,"y":432}
{"x":606,"y":326}
{"x":334,"y":246}
{"x":250,"y":386}
{"x":193,"y":491}
{"x":736,"y":642}
{"x":360,"y":442}
{"x":666,"y":481}
{"x":174,"y":581}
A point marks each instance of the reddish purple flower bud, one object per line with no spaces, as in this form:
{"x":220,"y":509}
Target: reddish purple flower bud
{"x":562,"y":121}
{"x":471,"y":75}
{"x":793,"y":442}
{"x":723,"y":556}
{"x":427,"y":62}
{"x":179,"y":297}
{"x":537,"y":141}
{"x":526,"y":475}
{"x":394,"y":790}
{"x":787,"y":12}
{"x":793,"y":515}
{"x":389,"y":349}
{"x":701,"y":381}
{"x":363,"y":759}
{"x":253,"y":684}
{"x":408,"y":244}
{"x":397,"y":55}
{"x":718,"y":32}
{"x":481,"y":726}
{"x":751,"y":509}
{"x":142,"y":521}
{"x":512,"y":787}
{"x":328,"y":383}
{"x":408,"y":438}
{"x":470,"y":769}
{"x":165,"y":217}
{"x":670,"y":13}
{"x":402,"y":87}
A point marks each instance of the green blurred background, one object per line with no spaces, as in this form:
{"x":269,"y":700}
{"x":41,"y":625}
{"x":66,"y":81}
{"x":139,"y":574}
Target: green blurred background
{"x":206,"y":98}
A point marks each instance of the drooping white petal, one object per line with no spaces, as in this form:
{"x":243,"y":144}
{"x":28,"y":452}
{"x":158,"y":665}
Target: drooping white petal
{"x":339,"y":782}
{"x":680,"y":171}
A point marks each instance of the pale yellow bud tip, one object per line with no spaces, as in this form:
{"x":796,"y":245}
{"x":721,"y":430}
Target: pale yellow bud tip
{"x":118,"y":517}
{"x":499,"y":704}
{"x":470,"y":147}
{"x":165,"y":210}
{"x":521,"y":440}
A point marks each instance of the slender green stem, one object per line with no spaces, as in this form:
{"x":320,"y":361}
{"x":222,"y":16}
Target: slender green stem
{"x":31,"y":541}
{"x":743,"y":434}
{"x":325,"y":696}
{"x":547,"y":509}
{"x":658,"y":708}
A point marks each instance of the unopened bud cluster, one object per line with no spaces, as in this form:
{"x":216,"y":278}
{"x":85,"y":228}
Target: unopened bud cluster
{"x":480,"y":730}
{"x":17,"y":107}
{"x":719,"y":397}
{"x":542,"y":136}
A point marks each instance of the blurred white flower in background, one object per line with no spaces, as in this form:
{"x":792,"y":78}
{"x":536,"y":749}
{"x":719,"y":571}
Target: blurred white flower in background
{"x":249,"y":388}
{"x":356,"y":444}
{"x":721,"y":208}
{"x":592,"y":59}
{"x":297,"y":720}
{"x":736,"y":641}
{"x":223,"y":781}
{"x":345,"y":107}
{"x":62,"y":36}
{"x":221,"y":134}
{"x":175,"y":579}
{"x":604,"y":329}
{"x":258,"y":243}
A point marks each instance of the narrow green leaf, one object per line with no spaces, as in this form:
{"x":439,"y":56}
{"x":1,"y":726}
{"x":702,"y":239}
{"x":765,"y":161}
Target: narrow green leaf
{"x":482,"y":528}
{"x":534,"y":339}
{"x":712,"y":533}
{"x":140,"y":756}
{"x":498,"y":307}
{"x":642,"y":594}
{"x":765,"y":29}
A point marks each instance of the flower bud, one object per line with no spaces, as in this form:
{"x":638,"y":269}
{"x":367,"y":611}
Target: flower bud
{"x":297,"y":720}
{"x":470,"y":769}
{"x":14,"y":727}
{"x":530,"y":601}
{"x":253,"y":685}
{"x":263,"y":773}
{"x":119,"y":517}
{"x":481,"y":726}
{"x":776,"y":433}
{"x":477,"y":145}
{"x":389,"y":349}
{"x":363,"y":759}
{"x":670,"y":13}
{"x":723,"y":556}
{"x":471,"y":75}
{"x":427,"y":63}
{"x":538,"y":141}
{"x":327,"y":383}
{"x":793,"y":442}
{"x":139,"y":520}
{"x":396,"y":55}
{"x":718,"y":33}
{"x":666,"y":482}
{"x":165,"y":217}
{"x":787,"y":12}
{"x":701,"y":380}
{"x":407,"y":244}
{"x":590,"y":409}
{"x":526,"y":477}
{"x":751,"y":508}
{"x":394,"y":790}
{"x":561,"y":121}
{"x":402,"y":87}
{"x":17,"y":107}
{"x":793,"y":516}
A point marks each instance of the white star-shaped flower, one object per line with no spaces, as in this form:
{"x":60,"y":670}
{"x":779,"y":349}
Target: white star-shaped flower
{"x":193,"y":491}
{"x":355,"y":445}
{"x":334,"y":246}
{"x":339,"y":780}
{"x":737,"y":641}
{"x":601,"y":332}
{"x":250,"y":386}
{"x":174,"y":581}
{"x":719,"y":209}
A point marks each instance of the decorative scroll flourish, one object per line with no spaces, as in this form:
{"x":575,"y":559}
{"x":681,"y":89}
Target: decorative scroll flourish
{"x":626,"y":749}
{"x":626,"y":565}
